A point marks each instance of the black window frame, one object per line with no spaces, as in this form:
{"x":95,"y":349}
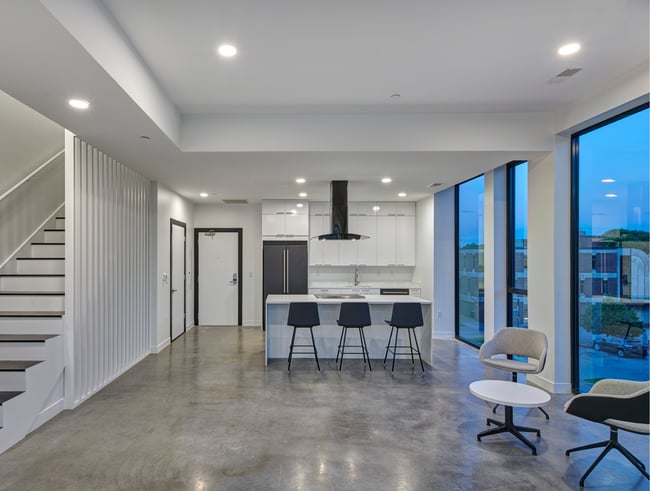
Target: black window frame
{"x":575,"y":244}
{"x":510,"y":239}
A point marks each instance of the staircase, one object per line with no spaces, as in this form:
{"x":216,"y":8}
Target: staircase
{"x":31,"y":334}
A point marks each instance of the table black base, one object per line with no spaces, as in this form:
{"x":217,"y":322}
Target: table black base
{"x":508,"y":426}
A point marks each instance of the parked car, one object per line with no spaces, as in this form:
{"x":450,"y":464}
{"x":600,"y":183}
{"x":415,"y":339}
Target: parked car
{"x":622,"y":346}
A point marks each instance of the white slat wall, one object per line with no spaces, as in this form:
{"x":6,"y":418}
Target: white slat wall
{"x":111,"y":209}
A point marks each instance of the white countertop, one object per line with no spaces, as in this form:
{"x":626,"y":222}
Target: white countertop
{"x":509,"y":393}
{"x":373,"y":299}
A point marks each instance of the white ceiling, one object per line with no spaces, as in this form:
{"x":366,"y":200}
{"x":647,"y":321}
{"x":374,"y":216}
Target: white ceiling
{"x":149,"y":68}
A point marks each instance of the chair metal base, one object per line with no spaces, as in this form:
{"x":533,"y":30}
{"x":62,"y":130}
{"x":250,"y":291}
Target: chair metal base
{"x":494,"y":410}
{"x":407,"y":349}
{"x":508,"y":426}
{"x":342,"y":345}
{"x":611,"y":444}
{"x":312,"y":346}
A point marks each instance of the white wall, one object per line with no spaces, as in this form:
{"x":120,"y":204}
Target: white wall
{"x":26,"y":209}
{"x":27,"y":139}
{"x":248,"y":218}
{"x":443,"y":314}
{"x":423,"y":272}
{"x":108,"y":269}
{"x":171,"y":205}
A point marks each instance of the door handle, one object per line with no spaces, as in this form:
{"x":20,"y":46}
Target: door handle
{"x":174,"y":290}
{"x":288,"y":286}
{"x":234,"y":279}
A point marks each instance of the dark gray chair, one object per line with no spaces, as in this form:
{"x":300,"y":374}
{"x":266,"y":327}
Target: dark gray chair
{"x":353,"y":316}
{"x":619,"y":404}
{"x":406,"y":315}
{"x":303,"y":315}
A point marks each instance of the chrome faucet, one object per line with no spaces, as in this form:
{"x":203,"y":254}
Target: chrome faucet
{"x":356,"y":276}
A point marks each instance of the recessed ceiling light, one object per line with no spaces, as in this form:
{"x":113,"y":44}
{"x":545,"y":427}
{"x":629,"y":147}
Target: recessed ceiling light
{"x":608,"y":180}
{"x":203,"y":195}
{"x":376,"y":208}
{"x":79,"y":103}
{"x":611,"y":195}
{"x":227,"y":50}
{"x":301,"y":180}
{"x":302,"y":195}
{"x":401,"y":195}
{"x":568,"y":49}
{"x":386,"y":180}
{"x":299,"y":205}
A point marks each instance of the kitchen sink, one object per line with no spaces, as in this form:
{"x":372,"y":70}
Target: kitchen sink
{"x":339,"y":295}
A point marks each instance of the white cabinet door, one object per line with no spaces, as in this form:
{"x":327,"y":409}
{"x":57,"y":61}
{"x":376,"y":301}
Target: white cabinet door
{"x":405,"y":208}
{"x":348,"y":249}
{"x":296,"y":225}
{"x":386,"y":208}
{"x":272,"y":206}
{"x":405,"y":241}
{"x":330,"y":249}
{"x":386,"y":230}
{"x":273,"y":225}
{"x":316,"y":246}
{"x":367,"y":248}
{"x":293,"y":206}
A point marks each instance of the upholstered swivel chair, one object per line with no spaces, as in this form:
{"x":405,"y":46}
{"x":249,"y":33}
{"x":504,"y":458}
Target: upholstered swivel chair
{"x":353,"y":315}
{"x":508,"y":342}
{"x":303,"y":315}
{"x":405,"y":316}
{"x":619,"y":404}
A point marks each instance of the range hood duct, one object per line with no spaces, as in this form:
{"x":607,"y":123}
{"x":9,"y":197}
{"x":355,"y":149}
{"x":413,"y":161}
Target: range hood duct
{"x":339,"y":214}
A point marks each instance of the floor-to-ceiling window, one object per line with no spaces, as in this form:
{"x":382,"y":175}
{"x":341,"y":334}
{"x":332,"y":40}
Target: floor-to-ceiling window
{"x":518,"y":244}
{"x":611,"y":270}
{"x":469,"y":261}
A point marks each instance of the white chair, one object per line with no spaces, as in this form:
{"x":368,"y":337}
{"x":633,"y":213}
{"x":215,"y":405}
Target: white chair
{"x":508,"y":342}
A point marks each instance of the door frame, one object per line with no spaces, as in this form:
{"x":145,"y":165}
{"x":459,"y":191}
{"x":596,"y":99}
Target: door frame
{"x":239,"y":232}
{"x":178,"y":223}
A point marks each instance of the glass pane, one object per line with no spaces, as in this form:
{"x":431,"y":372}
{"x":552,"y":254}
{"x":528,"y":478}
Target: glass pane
{"x":519,"y":310}
{"x":469,"y":284}
{"x":518,"y":253}
{"x":613,"y":244}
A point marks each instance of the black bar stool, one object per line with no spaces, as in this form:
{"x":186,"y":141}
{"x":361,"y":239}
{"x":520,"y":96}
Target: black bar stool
{"x":405,"y":316}
{"x":303,"y":315}
{"x":353,"y":316}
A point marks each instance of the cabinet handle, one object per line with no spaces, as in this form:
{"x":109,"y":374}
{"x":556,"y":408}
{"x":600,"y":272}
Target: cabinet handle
{"x":279,"y":213}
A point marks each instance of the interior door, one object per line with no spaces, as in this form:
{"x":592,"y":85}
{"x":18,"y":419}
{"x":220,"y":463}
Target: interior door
{"x":218,"y":280}
{"x":177,"y":279}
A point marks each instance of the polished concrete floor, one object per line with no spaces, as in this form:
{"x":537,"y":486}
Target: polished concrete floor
{"x":205,"y":414}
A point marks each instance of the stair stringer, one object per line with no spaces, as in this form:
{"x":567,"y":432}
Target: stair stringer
{"x":42,"y":399}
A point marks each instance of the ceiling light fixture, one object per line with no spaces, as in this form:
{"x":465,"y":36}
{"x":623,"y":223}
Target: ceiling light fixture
{"x":227,"y":50}
{"x":386,"y":180}
{"x":79,"y":103}
{"x":611,"y":195}
{"x":568,"y":49}
{"x":608,"y":180}
{"x":301,"y":180}
{"x":203,"y":195}
{"x":401,"y":195}
{"x":302,"y":195}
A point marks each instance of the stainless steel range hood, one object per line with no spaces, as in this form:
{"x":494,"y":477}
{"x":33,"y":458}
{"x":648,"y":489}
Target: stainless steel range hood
{"x":339,"y":214}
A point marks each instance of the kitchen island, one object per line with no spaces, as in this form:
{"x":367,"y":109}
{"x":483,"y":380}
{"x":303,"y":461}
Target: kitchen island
{"x":278,"y":334}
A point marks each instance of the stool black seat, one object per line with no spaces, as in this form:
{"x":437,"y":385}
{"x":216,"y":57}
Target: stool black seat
{"x":405,"y":316}
{"x":303,"y":315}
{"x":353,"y":315}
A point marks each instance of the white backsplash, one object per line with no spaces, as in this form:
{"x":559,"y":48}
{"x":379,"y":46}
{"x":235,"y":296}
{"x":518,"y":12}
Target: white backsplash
{"x":380,"y":276}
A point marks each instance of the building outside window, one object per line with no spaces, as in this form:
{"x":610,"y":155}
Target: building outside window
{"x":517,"y":244}
{"x":611,"y":272}
{"x":469,"y":261}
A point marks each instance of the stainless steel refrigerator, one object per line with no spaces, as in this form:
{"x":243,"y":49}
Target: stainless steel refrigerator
{"x":285,"y":265}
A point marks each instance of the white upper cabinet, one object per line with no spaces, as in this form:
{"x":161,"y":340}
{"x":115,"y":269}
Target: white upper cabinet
{"x":284,"y":219}
{"x":389,"y":225}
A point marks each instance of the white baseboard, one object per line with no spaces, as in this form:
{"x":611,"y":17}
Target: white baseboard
{"x":251,"y":323}
{"x":443,"y":334}
{"x":549,"y":385}
{"x":48,"y":413}
{"x":189,"y":326}
{"x":161,"y":346}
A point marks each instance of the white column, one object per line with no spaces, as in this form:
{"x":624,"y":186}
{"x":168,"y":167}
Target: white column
{"x":443,"y":314}
{"x":495,"y":253}
{"x":549,"y":277}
